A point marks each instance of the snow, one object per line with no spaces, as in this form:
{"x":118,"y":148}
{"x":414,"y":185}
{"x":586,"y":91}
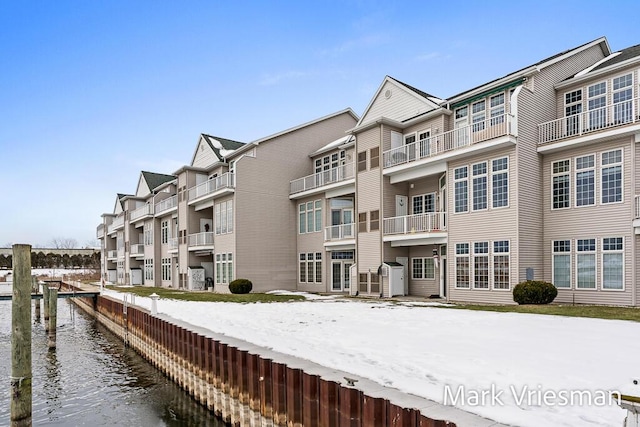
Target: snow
{"x":427,"y":350}
{"x":333,"y":144}
{"x":49,"y":272}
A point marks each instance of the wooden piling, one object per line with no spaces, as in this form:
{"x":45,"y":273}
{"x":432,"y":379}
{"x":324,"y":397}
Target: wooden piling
{"x":45,"y":305}
{"x":53,"y":314}
{"x":21,"y":402}
{"x":35,"y":289}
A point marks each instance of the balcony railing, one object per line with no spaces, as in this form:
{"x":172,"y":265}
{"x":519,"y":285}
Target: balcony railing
{"x":142,"y":211}
{"x":420,"y":223}
{"x":212,"y":185}
{"x":118,"y":223}
{"x":137,"y":249}
{"x":112,"y":254}
{"x":200,"y":239}
{"x":173,"y":244}
{"x":449,"y":141}
{"x":339,"y":232}
{"x":100,"y":231}
{"x":330,"y":176}
{"x":620,"y":114}
{"x":166,"y":204}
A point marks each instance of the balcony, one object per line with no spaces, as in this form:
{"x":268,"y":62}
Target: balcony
{"x":411,"y":230}
{"x":145,"y":211}
{"x":210,"y":189}
{"x":112,"y":255}
{"x":117,"y":224}
{"x":429,"y":156}
{"x":173,"y":244}
{"x":200,"y":241}
{"x":340,"y":236}
{"x":100,"y":231}
{"x":137,"y":250}
{"x":590,"y":126}
{"x":168,"y":204}
{"x":636,"y":215}
{"x":340,"y":177}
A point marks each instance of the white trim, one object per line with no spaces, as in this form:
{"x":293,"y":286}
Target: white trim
{"x":621,"y":164}
{"x":501,"y":171}
{"x":487,"y":186}
{"x":595,"y":179}
{"x":616,"y":251}
{"x":595,"y":262}
{"x":553,"y":175}
{"x":570,"y":254}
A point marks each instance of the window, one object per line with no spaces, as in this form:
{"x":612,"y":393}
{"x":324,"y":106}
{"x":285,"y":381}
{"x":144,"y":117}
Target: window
{"x":562,"y":263}
{"x":423,"y":203}
{"x":478,"y":115}
{"x":166,"y":269}
{"x":362,"y":222}
{"x":560,"y":184}
{"x":303,"y":268}
{"x":374,"y":154}
{"x":611,"y":176}
{"x":148,"y":269}
{"x":374,"y":220}
{"x":462,"y":265}
{"x":497,"y":109}
{"x":612,"y":263}
{"x":479,"y":186}
{"x":310,"y":267}
{"x":423,"y":268}
{"x":572,"y":109}
{"x":500,"y":182}
{"x":224,"y":217}
{"x":585,"y":180}
{"x":481,"y":265}
{"x":310,"y":217}
{"x":596,"y":105}
{"x":622,"y":99}
{"x":148,"y":233}
{"x":224,"y":268}
{"x":461,"y":189}
{"x":164,"y":231}
{"x":362,"y":161}
{"x":586,"y":263}
{"x":318,"y":267}
{"x":330,"y":162}
{"x":424,"y":141}
{"x":501,"y":264}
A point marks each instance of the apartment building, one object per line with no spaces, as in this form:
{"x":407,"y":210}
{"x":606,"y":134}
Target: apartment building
{"x":529,"y":176}
{"x":226,"y":215}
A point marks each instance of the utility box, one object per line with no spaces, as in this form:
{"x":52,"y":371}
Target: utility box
{"x":136,"y":276}
{"x":395,"y":273}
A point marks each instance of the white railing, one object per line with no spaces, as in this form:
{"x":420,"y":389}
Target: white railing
{"x":420,"y":223}
{"x":449,"y":141}
{"x":637,"y":212}
{"x":615,"y":115}
{"x":330,"y":176}
{"x":117,"y":223}
{"x":212,"y":185}
{"x":137,"y":249}
{"x":142,"y":211}
{"x":100,"y":231}
{"x":339,"y":232}
{"x":112,"y":254}
{"x":166,"y":204}
{"x":173,"y":243}
{"x":201,"y":239}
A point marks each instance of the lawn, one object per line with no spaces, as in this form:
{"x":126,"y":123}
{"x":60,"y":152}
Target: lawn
{"x":179,"y":294}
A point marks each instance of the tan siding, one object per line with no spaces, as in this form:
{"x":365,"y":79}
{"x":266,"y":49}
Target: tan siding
{"x":313,"y":243}
{"x":266,"y":220}
{"x":205,"y":156}
{"x":402,"y":104}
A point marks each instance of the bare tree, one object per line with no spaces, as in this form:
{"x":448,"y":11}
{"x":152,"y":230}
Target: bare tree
{"x":63,"y":243}
{"x":92,"y":244}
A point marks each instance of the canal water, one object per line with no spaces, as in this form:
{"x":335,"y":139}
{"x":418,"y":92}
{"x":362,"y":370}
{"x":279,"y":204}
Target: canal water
{"x":92,"y":379}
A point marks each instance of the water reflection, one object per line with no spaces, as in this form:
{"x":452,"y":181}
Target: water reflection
{"x":91,"y":378}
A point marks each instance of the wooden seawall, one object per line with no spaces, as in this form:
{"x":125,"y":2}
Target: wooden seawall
{"x":242,"y":386}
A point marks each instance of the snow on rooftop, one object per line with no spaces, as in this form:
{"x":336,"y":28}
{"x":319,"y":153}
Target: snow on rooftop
{"x":338,"y":142}
{"x":430,"y":351}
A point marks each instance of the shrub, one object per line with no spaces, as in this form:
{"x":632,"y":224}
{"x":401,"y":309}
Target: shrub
{"x":240,"y":286}
{"x":534,"y":292}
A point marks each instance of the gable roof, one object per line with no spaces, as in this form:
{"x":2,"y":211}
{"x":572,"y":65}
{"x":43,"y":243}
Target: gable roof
{"x":156,"y":179}
{"x":418,"y":91}
{"x":217,"y":144}
{"x":623,"y":55}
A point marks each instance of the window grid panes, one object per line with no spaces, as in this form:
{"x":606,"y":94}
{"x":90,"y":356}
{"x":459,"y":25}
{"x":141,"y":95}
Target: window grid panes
{"x":612,"y":263}
{"x":462,"y":266}
{"x":562,"y":263}
{"x":586,"y":263}
{"x":561,"y":184}
{"x":500,"y":182}
{"x":479,"y":186}
{"x":481,"y":265}
{"x":585,"y":180}
{"x":501,"y":274}
{"x":611,"y":176}
{"x":461,"y":189}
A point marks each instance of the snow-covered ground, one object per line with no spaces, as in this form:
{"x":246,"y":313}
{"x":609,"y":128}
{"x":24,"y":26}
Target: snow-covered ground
{"x":49,"y":272}
{"x":446,"y":354}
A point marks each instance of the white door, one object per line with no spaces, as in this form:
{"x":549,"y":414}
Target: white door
{"x":405,"y":270}
{"x":396,"y":282}
{"x":401,"y":212}
{"x":340,"y":275}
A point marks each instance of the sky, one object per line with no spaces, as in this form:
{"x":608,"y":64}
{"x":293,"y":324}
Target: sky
{"x":92,"y":93}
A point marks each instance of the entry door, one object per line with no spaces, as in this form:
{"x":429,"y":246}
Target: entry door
{"x":443,"y":276}
{"x":405,"y":269}
{"x":340,"y":275}
{"x":347,"y":220}
{"x":462,"y":135}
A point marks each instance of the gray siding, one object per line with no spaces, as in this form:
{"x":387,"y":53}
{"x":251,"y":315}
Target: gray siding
{"x":402,"y":104}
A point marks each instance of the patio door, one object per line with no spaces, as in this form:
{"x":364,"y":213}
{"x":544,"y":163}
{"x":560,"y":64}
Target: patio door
{"x":340,"y":275}
{"x":341,"y":220}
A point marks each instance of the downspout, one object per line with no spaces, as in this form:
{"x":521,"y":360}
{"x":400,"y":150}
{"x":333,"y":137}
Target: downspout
{"x":381,"y":217}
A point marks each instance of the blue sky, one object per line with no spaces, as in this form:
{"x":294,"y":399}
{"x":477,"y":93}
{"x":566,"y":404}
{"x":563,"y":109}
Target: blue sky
{"x":93,"y":92}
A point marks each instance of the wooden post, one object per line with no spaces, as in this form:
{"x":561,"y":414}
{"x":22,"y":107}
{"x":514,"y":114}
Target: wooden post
{"x":53,"y":314}
{"x":45,"y":304}
{"x":21,"y":337}
{"x":34,"y":289}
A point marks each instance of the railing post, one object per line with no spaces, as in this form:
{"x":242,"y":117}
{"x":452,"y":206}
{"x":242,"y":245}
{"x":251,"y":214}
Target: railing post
{"x":21,"y":400}
{"x":53,"y":317}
